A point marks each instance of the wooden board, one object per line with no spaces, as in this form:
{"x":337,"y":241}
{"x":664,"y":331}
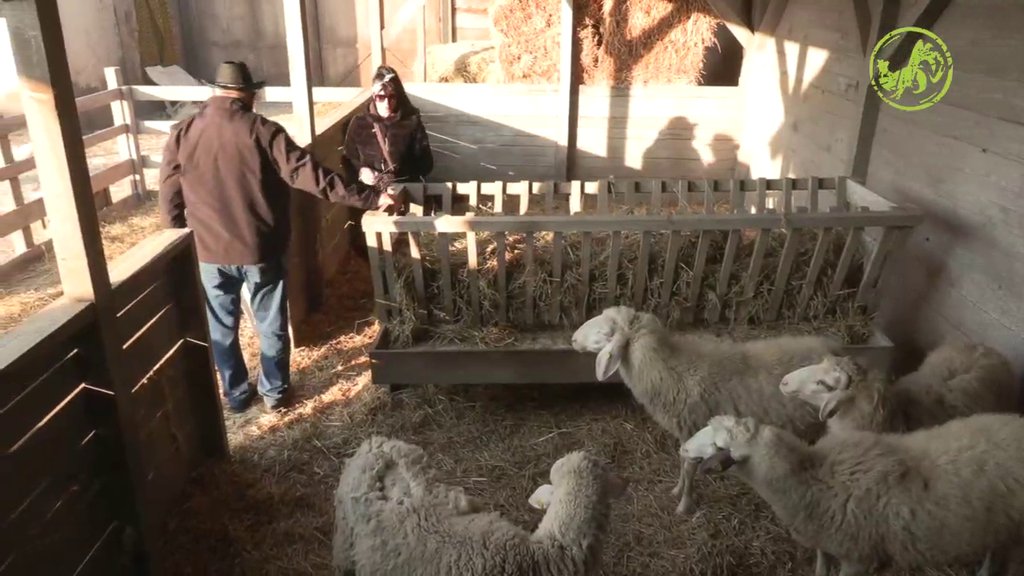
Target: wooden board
{"x":511,"y":366}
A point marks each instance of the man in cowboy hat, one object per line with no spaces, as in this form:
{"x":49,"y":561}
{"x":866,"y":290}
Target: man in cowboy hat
{"x":227,"y":173}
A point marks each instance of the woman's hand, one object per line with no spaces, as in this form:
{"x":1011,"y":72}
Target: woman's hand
{"x":367,"y":175}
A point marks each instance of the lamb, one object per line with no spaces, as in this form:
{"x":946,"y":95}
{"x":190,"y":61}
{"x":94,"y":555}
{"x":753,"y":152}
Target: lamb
{"x":684,"y":379}
{"x":949,"y":494}
{"x":955,"y":379}
{"x":393,"y":517}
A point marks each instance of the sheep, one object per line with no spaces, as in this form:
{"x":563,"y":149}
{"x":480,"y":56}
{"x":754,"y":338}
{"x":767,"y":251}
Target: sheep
{"x":393,"y":517}
{"x":683,"y":379}
{"x":955,"y":379}
{"x":944,"y":495}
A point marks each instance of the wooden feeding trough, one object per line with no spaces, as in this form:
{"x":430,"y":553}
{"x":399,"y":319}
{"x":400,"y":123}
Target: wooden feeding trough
{"x":484,"y":282}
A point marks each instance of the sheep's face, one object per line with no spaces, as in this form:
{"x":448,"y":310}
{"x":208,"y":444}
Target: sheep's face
{"x":597,"y":333}
{"x":722,"y":443}
{"x":578,"y":463}
{"x":825,"y":385}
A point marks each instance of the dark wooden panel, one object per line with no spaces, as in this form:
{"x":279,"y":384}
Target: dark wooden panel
{"x":150,"y":345}
{"x":35,"y":404}
{"x":139,"y":312}
{"x":554,"y":365}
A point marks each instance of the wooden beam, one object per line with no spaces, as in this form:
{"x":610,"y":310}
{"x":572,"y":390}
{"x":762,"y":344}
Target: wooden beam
{"x":304,"y":290}
{"x":870,"y":107}
{"x":421,"y":43}
{"x":772,"y":17}
{"x":123,"y":112}
{"x":569,"y":92}
{"x":316,"y":60}
{"x":736,"y":18}
{"x":862,"y":10}
{"x":128,"y":34}
{"x":447,"y":13}
{"x":376,"y":24}
{"x":925,"y":17}
{"x":55,"y":131}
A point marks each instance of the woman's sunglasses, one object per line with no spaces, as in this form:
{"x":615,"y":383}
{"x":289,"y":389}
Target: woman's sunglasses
{"x":383,"y":97}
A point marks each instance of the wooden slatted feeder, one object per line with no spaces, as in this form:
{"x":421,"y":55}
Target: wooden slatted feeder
{"x":483,"y":282}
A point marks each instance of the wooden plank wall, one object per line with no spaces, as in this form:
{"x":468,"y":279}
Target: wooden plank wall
{"x":472,"y":20}
{"x":802,"y":92}
{"x":64,"y":474}
{"x":510,"y":132}
{"x":962,"y":161}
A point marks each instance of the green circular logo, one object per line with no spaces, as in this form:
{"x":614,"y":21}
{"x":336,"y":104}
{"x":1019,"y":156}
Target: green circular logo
{"x":919,"y":82}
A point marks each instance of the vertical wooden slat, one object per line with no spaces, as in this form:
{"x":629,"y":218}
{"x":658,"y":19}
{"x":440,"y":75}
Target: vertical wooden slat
{"x":852,"y":239}
{"x":585,"y":255}
{"x":812,"y":192}
{"x":736,"y":206}
{"x":640,"y":270}
{"x":473,"y":256}
{"x":874,"y":264}
{"x":123,"y":112}
{"x":25,"y":239}
{"x":376,"y":25}
{"x":760,"y":245}
{"x":524,"y":190}
{"x":788,"y":253}
{"x":444,"y":254}
{"x":554,"y":308}
{"x":392,"y":288}
{"x":415,"y":252}
{"x":421,"y":43}
{"x":841,"y":198}
{"x":500,"y":248}
{"x":602,"y":197}
{"x":376,"y":275}
{"x":568,"y":92}
{"x":657,"y":189}
{"x":820,"y":250}
{"x":702,"y":255}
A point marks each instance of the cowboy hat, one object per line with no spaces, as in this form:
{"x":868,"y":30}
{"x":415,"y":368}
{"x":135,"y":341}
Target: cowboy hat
{"x":233,"y":75}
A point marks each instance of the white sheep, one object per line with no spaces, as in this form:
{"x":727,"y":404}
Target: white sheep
{"x":682,"y":379}
{"x":954,"y":380}
{"x":949,"y":494}
{"x":393,"y":517}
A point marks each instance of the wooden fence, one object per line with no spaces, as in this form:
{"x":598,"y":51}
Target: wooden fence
{"x":73,"y":499}
{"x":26,"y":222}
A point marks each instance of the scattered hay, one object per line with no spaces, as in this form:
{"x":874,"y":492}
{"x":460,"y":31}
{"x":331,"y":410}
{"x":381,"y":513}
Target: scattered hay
{"x":622,"y":43}
{"x":269,"y":509}
{"x":463,"y":62}
{"x":742,"y":317}
{"x":39,"y":284}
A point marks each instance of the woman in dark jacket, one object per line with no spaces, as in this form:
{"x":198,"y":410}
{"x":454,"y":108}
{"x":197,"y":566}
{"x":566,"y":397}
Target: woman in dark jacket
{"x":390,"y":122}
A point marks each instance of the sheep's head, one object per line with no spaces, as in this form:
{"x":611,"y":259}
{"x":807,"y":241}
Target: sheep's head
{"x":825,"y":385}
{"x":722,"y":443}
{"x":607,"y":334}
{"x":578,"y":464}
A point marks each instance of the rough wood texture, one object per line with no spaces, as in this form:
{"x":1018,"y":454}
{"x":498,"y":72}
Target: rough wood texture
{"x":962,"y":271}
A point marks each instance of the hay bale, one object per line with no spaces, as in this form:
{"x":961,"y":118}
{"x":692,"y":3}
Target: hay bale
{"x":473,"y":62}
{"x":635,"y":43}
{"x":838,"y":316}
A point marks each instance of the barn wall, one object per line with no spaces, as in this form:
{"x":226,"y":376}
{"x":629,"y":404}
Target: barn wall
{"x":962,"y":161}
{"x":801,"y":93}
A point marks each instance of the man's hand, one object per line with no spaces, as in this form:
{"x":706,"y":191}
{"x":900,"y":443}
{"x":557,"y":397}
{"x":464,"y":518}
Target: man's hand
{"x":367,"y":175}
{"x":392,"y":201}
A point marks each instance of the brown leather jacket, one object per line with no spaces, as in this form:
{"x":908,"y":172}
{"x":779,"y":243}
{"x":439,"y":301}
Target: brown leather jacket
{"x":227,"y":173}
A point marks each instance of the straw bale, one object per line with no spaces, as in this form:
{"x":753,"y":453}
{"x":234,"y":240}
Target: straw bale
{"x":838,"y":316}
{"x":621,"y":43}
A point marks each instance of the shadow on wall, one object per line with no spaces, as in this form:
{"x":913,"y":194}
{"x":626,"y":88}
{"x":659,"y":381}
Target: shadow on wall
{"x":675,"y":142}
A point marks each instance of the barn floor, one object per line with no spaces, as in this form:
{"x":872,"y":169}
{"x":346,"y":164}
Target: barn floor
{"x":269,"y":510}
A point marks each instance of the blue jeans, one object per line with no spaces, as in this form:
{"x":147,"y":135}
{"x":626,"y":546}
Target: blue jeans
{"x":267,"y":286}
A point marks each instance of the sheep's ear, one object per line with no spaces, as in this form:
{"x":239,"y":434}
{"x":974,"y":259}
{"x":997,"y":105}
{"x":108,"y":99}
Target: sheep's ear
{"x":829,"y":407}
{"x":610,"y":357}
{"x":541,"y":497}
{"x":718,"y":462}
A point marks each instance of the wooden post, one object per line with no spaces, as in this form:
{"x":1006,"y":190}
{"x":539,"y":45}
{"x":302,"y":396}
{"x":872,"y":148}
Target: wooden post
{"x":447,"y":14}
{"x":376,"y":33}
{"x":128,"y":32}
{"x":569,"y":93}
{"x":888,"y":15}
{"x":304,"y":292}
{"x":421,"y":43}
{"x":55,"y":131}
{"x":24,"y":240}
{"x":316,"y":60}
{"x":123,"y":111}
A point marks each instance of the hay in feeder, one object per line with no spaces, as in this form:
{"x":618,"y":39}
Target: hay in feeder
{"x":741,"y":317}
{"x":621,"y":43}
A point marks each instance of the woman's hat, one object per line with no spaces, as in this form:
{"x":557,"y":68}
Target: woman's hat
{"x":233,"y":75}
